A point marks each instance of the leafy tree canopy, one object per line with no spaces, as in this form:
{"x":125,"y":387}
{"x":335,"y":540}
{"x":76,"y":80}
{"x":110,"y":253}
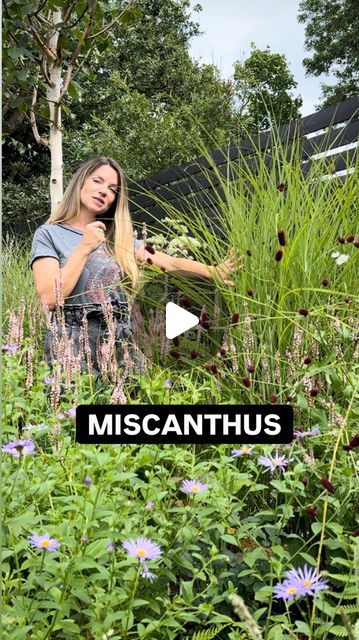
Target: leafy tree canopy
{"x":263,"y":85}
{"x":332,"y":35}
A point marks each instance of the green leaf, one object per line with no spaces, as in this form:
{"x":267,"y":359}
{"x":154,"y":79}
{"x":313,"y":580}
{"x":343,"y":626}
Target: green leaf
{"x":303,"y":627}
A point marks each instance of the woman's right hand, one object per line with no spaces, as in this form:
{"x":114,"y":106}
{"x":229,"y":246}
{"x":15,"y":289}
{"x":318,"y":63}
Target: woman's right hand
{"x":94,"y":235}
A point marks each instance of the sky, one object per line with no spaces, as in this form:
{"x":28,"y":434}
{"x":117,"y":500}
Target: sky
{"x":230,"y":26}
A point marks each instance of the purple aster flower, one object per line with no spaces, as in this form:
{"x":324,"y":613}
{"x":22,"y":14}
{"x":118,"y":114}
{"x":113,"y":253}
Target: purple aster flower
{"x":9,"y":347}
{"x":146,"y":573}
{"x":142,"y":548}
{"x":44,"y":542}
{"x":71,"y":412}
{"x":87,"y":481}
{"x":243,"y":451}
{"x":303,"y":434}
{"x":61,"y":416}
{"x":307,"y":579}
{"x":19,"y":448}
{"x":149,"y":505}
{"x":111,"y":547}
{"x":278,"y":462}
{"x":168,"y":384}
{"x":49,"y":380}
{"x":193,"y":486}
{"x":287,"y":590}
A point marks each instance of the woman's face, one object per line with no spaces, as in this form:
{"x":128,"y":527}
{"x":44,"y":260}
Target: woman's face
{"x":99,"y":190}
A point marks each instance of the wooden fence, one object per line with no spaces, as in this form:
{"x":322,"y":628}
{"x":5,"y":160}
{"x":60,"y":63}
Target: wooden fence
{"x":183,"y":186}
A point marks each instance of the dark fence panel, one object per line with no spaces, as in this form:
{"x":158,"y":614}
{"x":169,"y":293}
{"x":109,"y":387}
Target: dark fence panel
{"x":328,"y":129}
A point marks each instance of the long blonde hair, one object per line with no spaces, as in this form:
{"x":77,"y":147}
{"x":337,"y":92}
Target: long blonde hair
{"x":119,"y":229}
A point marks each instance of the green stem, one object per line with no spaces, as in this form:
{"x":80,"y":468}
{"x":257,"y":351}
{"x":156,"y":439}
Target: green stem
{"x":132,"y":598}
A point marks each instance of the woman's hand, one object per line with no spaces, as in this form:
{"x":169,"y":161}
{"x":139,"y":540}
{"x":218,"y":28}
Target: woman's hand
{"x":224,"y":270}
{"x":94,"y":235}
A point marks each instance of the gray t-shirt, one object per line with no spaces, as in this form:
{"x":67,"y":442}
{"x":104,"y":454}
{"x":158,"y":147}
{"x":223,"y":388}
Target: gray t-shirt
{"x":101,"y":270}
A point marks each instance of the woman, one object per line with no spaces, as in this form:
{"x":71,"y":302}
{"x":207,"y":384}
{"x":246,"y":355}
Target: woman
{"x":81,"y":255}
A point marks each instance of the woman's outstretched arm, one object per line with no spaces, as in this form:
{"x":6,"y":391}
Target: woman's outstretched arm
{"x":186,"y":268}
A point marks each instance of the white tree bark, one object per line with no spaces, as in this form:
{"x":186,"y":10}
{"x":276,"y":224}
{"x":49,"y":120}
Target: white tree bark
{"x":55,"y":137}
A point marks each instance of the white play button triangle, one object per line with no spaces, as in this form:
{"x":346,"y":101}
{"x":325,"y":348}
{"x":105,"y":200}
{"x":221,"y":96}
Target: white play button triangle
{"x":178,"y":320}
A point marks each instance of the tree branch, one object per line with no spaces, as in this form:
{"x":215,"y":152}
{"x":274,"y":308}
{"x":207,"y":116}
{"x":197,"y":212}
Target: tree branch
{"x":75,"y":55}
{"x":116,"y":18}
{"x":32,"y":117}
{"x":38,"y":10}
{"x":69,"y":11}
{"x":46,"y":51}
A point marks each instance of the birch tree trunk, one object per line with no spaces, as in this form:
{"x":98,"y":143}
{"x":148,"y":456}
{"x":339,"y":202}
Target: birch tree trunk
{"x":55,"y":136}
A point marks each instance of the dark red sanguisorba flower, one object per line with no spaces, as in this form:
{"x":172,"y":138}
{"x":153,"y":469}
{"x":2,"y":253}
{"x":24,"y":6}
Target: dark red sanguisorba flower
{"x":246,"y":382}
{"x":175,"y":354}
{"x":273,"y":399}
{"x":210,"y":366}
{"x":149,"y":261}
{"x":150,"y":248}
{"x":176,"y":341}
{"x":194,"y":354}
{"x":235,"y":318}
{"x":353,"y":443}
{"x":279,"y":255}
{"x":185,"y":302}
{"x":307,"y":360}
{"x":313,"y":392}
{"x":327,"y":485}
{"x":249,"y":252}
{"x":350,"y":238}
{"x":325,"y":282}
{"x":356,"y":242}
{"x":304,"y":481}
{"x":250,"y":293}
{"x":250,"y":368}
{"x":289,"y":398}
{"x":303,"y":312}
{"x":311,"y":511}
{"x":222,"y":351}
{"x":204,"y":320}
{"x":281,"y":237}
{"x":341,"y":240}
{"x":281,"y":186}
{"x":355,"y":533}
